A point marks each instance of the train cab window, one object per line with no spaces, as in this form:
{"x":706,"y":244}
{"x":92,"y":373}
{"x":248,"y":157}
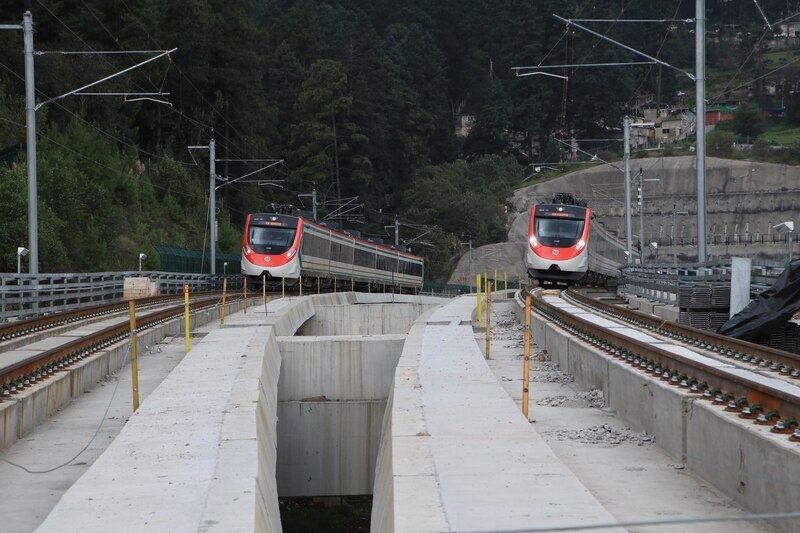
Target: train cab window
{"x":559,"y":231}
{"x":270,"y":240}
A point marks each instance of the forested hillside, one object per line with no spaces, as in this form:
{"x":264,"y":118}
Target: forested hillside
{"x":358,"y":98}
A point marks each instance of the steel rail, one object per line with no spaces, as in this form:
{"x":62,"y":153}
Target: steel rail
{"x":735,"y":392}
{"x":30,"y":370}
{"x":21,"y":328}
{"x":765,"y":357}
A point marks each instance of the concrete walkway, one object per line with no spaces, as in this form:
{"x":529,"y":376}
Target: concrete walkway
{"x":186,"y":461}
{"x":624,"y":467}
{"x":457,"y":454}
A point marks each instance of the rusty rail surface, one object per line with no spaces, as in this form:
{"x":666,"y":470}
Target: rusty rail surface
{"x":21,"y":328}
{"x":31,"y":370}
{"x":751,"y":398}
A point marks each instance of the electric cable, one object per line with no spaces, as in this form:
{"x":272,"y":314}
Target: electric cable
{"x":94,"y":436}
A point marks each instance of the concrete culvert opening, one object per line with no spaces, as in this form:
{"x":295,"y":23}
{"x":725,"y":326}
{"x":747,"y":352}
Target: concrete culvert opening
{"x":335,"y":378}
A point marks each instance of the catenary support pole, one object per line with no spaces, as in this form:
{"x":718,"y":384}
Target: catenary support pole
{"x":30,"y":123}
{"x":626,"y":161}
{"x":700,"y":104}
{"x":212,"y":202}
{"x":641,"y":214}
{"x":314,"y":204}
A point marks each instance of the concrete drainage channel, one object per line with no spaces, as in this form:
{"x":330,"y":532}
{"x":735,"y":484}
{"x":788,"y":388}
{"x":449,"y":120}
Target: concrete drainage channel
{"x":753,"y":469}
{"x":335,"y":378}
{"x":28,"y":409}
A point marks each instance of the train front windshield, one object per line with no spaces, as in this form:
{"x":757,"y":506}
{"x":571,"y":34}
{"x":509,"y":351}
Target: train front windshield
{"x":559,"y":231}
{"x":270,"y":240}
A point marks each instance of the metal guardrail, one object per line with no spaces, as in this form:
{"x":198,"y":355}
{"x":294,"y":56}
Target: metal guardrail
{"x":666,"y":283}
{"x":27,"y":295}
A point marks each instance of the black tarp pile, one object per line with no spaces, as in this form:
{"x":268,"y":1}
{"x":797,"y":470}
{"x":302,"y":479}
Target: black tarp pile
{"x":769,"y":310}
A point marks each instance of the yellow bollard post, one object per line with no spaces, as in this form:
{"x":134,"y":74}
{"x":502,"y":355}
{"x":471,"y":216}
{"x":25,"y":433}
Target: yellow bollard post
{"x":526,"y":351}
{"x":478,"y":293}
{"x":300,"y":282}
{"x":264,"y":289}
{"x":505,"y":284}
{"x":244,"y":292}
{"x":488,"y":317}
{"x":369,"y":287}
{"x":283,"y":285}
{"x":186,"y":314}
{"x":494,"y":282}
{"x":318,"y":290}
{"x":334,"y":285}
{"x":224,"y":293}
{"x":134,"y":362}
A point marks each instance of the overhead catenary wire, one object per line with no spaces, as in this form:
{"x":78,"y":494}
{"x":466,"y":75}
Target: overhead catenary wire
{"x":206,"y":126}
{"x":91,"y":125}
{"x":184,"y":76}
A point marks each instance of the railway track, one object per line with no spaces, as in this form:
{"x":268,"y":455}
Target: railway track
{"x":25,"y":328}
{"x":757,"y":382}
{"x":20,"y":370}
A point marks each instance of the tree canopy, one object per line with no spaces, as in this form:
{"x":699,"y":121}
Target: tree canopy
{"x":359,"y":98}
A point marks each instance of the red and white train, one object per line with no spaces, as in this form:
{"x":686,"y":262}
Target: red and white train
{"x":558,"y":241}
{"x":283,"y":248}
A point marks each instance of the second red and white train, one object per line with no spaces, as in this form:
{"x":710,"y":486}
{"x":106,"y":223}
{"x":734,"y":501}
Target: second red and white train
{"x":558,"y":240}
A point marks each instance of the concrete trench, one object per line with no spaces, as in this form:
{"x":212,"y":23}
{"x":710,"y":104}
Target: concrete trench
{"x":753,"y":467}
{"x":327,"y":372}
{"x":335,"y":378}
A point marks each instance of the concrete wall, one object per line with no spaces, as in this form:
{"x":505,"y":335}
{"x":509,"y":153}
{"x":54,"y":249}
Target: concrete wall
{"x":332,"y":396}
{"x":339,"y":368}
{"x":366,"y":319}
{"x":754,"y":467}
{"x":267,"y":512}
{"x":37,"y":403}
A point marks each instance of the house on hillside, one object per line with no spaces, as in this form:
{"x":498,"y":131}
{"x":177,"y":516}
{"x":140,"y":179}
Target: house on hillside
{"x":464,"y":125}
{"x":720,"y":113}
{"x":671,"y":123}
{"x":788,"y":29}
{"x":642,"y":101}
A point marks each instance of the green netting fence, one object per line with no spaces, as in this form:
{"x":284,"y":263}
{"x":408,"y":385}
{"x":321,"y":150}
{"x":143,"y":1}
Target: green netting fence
{"x":174,"y":259}
{"x":452,"y":289}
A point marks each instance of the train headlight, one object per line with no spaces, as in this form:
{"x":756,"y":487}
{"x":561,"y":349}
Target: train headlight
{"x":580,"y":246}
{"x":534,"y":242}
{"x":291,"y":252}
{"x":247,"y":251}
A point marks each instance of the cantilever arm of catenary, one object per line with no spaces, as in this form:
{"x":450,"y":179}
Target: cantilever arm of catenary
{"x":626,"y":47}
